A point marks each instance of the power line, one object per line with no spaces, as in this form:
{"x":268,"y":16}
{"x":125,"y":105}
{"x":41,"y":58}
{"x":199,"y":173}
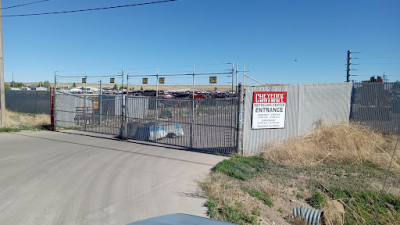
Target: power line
{"x":380,"y":63}
{"x":90,"y":9}
{"x":24,"y":4}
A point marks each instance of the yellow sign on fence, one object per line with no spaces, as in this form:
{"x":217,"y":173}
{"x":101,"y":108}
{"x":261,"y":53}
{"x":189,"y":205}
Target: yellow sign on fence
{"x":213,"y":80}
{"x":161,"y":80}
{"x":84,"y":80}
{"x":145,"y":80}
{"x":112,"y":80}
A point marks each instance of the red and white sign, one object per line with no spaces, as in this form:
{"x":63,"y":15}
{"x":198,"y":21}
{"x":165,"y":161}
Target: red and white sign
{"x":269,"y":110}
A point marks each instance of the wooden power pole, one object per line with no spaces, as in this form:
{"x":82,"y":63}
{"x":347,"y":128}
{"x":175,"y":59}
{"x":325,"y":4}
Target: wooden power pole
{"x":2,"y":86}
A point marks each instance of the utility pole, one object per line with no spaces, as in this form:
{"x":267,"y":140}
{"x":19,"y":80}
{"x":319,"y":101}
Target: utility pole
{"x":348,"y":65}
{"x":2,"y":92}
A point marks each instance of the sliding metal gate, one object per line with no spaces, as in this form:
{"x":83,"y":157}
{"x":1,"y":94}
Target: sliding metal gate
{"x":207,"y":125}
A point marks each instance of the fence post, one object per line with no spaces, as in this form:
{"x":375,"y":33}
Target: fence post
{"x":191,"y":123}
{"x":124,"y":119}
{"x":155,"y":132}
{"x":52,"y":108}
{"x":100,"y":102}
{"x":85,"y":110}
{"x":240,"y":119}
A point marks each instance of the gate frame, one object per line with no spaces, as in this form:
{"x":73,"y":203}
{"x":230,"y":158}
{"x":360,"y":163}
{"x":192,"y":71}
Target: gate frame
{"x":237,"y":146}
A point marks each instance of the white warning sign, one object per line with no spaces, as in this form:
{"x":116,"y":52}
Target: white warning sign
{"x":269,"y":110}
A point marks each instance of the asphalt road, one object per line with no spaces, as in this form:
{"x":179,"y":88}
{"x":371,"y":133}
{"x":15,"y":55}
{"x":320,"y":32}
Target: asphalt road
{"x":72,"y":178}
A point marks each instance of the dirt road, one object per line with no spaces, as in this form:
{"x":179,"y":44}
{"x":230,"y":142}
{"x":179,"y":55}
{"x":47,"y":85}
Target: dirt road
{"x":66,"y":178}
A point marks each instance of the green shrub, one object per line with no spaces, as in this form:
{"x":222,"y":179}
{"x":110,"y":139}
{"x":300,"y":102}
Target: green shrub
{"x":259,"y":195}
{"x":212,"y":208}
{"x":242,"y":168}
{"x":316,"y":200}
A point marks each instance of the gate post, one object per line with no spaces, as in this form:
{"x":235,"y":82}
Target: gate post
{"x":52,"y":126}
{"x":124,"y":119}
{"x":191,"y":122}
{"x":240,"y":123}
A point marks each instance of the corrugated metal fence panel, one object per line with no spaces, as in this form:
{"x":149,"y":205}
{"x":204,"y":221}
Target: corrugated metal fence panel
{"x":377,"y":105}
{"x":328,"y":102}
{"x":255,"y":140}
{"x":37,"y":102}
{"x":306,"y":104}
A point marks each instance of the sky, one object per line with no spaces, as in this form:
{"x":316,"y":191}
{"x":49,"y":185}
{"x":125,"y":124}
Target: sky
{"x":279,"y":41}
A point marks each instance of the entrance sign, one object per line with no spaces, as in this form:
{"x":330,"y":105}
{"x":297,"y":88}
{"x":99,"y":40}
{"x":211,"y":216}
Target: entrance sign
{"x":269,"y":110}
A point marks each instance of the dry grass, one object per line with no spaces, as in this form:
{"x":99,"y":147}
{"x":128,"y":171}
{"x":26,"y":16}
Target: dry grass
{"x":333,"y":212}
{"x":25,"y":120}
{"x":335,"y":143}
{"x":228,"y":192}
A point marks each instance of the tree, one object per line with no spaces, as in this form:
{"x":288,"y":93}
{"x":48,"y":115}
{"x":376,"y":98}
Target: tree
{"x":215,"y":88}
{"x":141,"y":88}
{"x":47,"y":83}
{"x":17,"y":84}
{"x":115,"y":87}
{"x":40,"y":84}
{"x":74,"y":85}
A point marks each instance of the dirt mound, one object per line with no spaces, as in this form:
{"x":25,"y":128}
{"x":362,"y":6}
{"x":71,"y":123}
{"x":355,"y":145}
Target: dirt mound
{"x":336,"y":143}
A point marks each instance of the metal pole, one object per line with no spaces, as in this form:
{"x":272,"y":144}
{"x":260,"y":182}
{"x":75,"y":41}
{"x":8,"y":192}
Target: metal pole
{"x":2,"y":85}
{"x":158,"y":68}
{"x":84,"y":102}
{"x":193,"y":86}
{"x":156,"y":108}
{"x":122,"y":81}
{"x":192,"y":114}
{"x":52,"y":126}
{"x":127,"y":81}
{"x":55,"y":99}
{"x":240,"y":122}
{"x":100,"y":103}
{"x":123,"y":109}
{"x":244,"y":76}
{"x":55,"y":80}
{"x":237,"y":79}
{"x":233,"y":71}
{"x":348,"y":65}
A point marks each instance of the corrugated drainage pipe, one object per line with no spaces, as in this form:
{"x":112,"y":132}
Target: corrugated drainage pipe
{"x":310,"y":215}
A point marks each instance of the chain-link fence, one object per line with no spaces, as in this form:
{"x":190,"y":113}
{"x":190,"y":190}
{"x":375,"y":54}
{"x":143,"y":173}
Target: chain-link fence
{"x":202,"y":124}
{"x":37,"y":102}
{"x":377,"y":105}
{"x":207,"y":125}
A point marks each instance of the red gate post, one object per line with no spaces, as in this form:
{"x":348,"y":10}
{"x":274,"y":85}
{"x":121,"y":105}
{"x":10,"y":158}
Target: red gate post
{"x":52,"y":108}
